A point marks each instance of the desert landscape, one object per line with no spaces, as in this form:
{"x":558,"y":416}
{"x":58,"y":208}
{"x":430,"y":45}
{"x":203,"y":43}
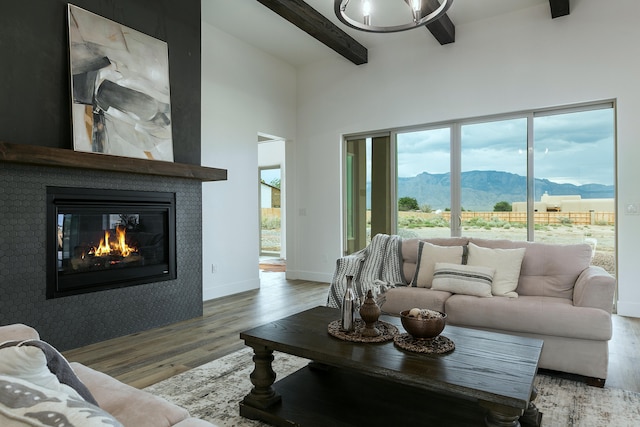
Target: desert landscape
{"x":601,"y":236}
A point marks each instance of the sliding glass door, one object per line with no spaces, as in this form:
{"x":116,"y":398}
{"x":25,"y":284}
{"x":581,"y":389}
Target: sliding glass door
{"x":424,"y":182}
{"x":575,"y":179}
{"x":539,"y":175}
{"x":493,"y":177}
{"x":368,"y":190}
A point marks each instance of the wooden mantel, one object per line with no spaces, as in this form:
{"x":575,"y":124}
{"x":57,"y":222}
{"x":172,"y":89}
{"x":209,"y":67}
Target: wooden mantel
{"x":59,"y":157}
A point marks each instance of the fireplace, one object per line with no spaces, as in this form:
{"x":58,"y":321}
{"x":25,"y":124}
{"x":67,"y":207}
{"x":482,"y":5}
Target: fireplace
{"x":103,"y":239}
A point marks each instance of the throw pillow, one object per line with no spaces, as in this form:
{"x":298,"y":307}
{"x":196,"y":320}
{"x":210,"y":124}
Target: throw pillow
{"x":23,"y":403}
{"x":507,"y":264}
{"x":428,"y":255}
{"x":40,"y":363}
{"x":463,"y":279}
{"x":30,"y":364}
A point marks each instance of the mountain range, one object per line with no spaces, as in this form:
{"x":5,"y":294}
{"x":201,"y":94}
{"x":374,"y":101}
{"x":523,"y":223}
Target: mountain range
{"x":481,"y":190}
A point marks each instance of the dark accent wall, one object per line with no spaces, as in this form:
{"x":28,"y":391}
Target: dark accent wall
{"x":78,"y":320}
{"x":35,"y":104}
{"x":35,"y":110}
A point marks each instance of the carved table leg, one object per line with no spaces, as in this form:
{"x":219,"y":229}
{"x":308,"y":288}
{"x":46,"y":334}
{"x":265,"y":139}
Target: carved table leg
{"x":501,"y":416}
{"x":531,"y":417}
{"x":262,"y":395}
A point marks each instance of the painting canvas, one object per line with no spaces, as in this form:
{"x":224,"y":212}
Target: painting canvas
{"x":119,"y":88}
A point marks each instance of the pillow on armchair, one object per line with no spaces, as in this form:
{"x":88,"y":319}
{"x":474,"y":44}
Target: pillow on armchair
{"x":23,"y":403}
{"x":40,"y":363}
{"x":39,"y":388}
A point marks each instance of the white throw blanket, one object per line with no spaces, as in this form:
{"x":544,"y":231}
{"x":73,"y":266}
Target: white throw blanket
{"x":378,"y":267}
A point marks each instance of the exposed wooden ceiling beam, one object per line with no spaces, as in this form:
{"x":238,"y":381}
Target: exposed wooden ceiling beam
{"x":315,"y":24}
{"x":559,"y":8}
{"x":443,"y":29}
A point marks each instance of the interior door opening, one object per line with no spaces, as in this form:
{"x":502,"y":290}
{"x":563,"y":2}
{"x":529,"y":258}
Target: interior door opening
{"x":271,"y":175}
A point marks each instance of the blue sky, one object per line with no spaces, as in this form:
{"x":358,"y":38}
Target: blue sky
{"x":576,"y":148}
{"x":268,"y":175}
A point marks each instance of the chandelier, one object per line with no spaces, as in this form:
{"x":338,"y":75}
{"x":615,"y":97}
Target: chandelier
{"x":421,"y":14}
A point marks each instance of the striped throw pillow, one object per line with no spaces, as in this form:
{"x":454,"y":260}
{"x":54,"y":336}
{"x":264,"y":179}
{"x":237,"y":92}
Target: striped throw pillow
{"x":463,"y":279}
{"x":428,"y":255}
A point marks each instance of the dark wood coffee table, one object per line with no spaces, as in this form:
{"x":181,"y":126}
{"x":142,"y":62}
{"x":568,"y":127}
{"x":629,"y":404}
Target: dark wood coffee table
{"x":487,"y":380}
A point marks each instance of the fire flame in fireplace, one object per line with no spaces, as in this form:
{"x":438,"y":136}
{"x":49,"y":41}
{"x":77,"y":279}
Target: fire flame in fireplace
{"x":118,"y":246}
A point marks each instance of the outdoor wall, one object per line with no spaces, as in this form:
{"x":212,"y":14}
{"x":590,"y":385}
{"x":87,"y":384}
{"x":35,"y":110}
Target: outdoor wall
{"x":244,"y":92}
{"x":519,"y":61}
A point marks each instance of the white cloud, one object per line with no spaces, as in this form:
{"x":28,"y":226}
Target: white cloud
{"x":575,"y":148}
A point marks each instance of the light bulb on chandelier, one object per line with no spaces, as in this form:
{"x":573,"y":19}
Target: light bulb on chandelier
{"x":422,"y":14}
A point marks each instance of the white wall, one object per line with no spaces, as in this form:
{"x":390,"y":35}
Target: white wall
{"x":244,"y":92}
{"x":524,"y":60}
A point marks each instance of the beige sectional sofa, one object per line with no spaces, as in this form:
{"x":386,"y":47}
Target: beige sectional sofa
{"x":561,"y":299}
{"x":35,"y":379}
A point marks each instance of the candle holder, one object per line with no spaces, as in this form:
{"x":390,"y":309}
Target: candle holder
{"x":370,"y":312}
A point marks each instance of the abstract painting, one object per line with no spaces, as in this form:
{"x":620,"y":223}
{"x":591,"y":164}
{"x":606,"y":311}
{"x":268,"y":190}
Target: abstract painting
{"x":119,"y":88}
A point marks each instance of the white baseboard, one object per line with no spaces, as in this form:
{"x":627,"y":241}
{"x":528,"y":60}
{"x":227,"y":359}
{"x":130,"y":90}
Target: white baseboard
{"x":309,"y":275}
{"x":628,"y":309}
{"x":213,"y":292}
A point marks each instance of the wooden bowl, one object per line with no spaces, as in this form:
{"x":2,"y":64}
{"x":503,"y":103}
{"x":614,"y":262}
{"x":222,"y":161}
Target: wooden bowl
{"x":423,"y":328}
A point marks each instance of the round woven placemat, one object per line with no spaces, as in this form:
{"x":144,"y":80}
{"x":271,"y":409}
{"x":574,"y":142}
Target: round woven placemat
{"x":437,"y":345}
{"x":387,"y":332}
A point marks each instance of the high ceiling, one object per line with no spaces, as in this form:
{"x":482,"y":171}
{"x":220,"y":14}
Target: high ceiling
{"x":257,"y":25}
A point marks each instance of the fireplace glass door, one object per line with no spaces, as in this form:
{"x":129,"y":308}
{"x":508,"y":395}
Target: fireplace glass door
{"x":102,"y":239}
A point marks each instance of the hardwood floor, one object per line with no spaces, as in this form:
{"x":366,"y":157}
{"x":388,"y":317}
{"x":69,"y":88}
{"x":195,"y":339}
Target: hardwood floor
{"x":624,"y":357}
{"x":145,"y":358}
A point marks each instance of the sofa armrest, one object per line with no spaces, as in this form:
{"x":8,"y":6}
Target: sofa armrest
{"x":595,"y":287}
{"x":18,"y":332}
{"x":129,"y":405}
{"x":194,"y":422}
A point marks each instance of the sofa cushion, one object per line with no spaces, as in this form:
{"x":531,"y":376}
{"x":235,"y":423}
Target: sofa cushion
{"x":463,"y":279}
{"x":402,"y":298}
{"x":547,"y":269}
{"x":430,"y":254}
{"x":194,"y":422}
{"x":530,"y":314}
{"x":23,"y":403}
{"x":506,"y":262}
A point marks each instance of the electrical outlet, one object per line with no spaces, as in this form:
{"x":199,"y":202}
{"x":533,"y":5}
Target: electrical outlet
{"x":632,"y":209}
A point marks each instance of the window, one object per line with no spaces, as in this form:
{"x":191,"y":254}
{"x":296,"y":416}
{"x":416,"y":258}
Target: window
{"x":539,"y":175}
{"x":574,"y":200}
{"x":424,"y":175}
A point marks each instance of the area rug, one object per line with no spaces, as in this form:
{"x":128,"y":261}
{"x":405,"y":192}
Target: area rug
{"x":213,"y":391}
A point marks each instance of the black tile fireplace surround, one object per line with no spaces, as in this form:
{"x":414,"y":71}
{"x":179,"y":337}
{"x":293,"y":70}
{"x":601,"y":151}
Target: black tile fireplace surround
{"x":104,"y":239}
{"x":78,"y":320}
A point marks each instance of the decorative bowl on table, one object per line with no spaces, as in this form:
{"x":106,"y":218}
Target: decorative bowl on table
{"x":423,"y":323}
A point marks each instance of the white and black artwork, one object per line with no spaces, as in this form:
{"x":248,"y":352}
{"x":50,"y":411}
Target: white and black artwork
{"x":119,"y":88}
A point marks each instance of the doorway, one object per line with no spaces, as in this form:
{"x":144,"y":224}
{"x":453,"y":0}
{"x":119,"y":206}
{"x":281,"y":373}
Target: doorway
{"x":271,"y":179}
